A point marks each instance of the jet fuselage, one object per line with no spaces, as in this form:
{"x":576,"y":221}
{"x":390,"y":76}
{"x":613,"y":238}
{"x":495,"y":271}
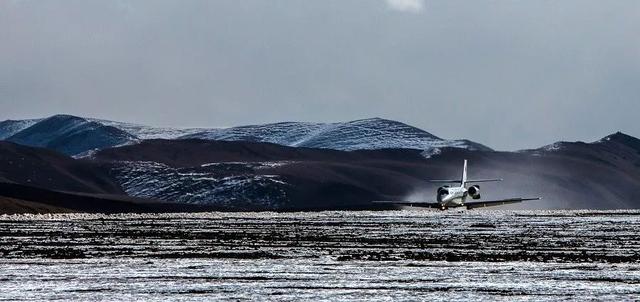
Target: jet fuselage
{"x":451,"y":196}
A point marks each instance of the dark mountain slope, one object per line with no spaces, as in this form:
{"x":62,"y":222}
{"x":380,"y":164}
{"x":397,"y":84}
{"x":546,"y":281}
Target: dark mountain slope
{"x":193,"y":152}
{"x":18,"y":206}
{"x":48,"y":169}
{"x":259,"y":176}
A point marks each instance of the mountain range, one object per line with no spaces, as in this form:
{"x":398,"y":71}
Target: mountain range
{"x":69,"y":163}
{"x":74,"y":135}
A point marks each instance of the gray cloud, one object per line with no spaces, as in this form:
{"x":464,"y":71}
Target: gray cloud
{"x":509,"y":74}
{"x":413,"y":6}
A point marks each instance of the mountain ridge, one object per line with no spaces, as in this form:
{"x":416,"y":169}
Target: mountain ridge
{"x":70,"y":135}
{"x":74,"y":135}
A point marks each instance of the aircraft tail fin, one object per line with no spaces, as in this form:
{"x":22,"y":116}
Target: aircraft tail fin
{"x":465,"y":180}
{"x":464,"y":174}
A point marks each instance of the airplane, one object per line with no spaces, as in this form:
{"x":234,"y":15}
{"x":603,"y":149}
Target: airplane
{"x":456,"y":196}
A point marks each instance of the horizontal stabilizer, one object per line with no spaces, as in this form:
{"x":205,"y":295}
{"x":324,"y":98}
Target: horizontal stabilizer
{"x":484,"y":180}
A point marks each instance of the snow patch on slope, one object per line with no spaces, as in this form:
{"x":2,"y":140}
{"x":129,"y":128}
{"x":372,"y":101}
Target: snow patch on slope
{"x":253,"y":165}
{"x":553,"y":147}
{"x":431,"y":152}
{"x":147,"y":132}
{"x":11,"y":127}
{"x":232,"y":185}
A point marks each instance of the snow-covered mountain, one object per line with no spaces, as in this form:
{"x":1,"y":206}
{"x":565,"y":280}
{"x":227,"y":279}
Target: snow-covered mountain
{"x":619,"y":144}
{"x":70,"y":135}
{"x":366,"y":134}
{"x":76,"y":135}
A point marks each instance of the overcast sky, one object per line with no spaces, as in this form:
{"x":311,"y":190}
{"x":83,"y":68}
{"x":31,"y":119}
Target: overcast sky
{"x":508,"y":74}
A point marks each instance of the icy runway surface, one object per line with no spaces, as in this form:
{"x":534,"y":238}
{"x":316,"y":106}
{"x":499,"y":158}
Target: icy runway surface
{"x":388,"y":256}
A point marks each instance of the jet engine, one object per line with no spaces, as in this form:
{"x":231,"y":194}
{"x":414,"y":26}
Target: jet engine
{"x":443,"y":190}
{"x":474,"y":191}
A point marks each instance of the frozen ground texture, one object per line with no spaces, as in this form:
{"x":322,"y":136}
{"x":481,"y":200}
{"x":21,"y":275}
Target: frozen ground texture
{"x":388,"y":256}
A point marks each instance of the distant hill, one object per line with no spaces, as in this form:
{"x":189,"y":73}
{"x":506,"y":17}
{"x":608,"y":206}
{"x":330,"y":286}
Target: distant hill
{"x":76,"y":135}
{"x":367,"y":134}
{"x":70,"y":135}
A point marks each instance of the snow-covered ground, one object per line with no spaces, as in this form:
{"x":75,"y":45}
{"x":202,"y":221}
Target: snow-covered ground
{"x":329,"y":256}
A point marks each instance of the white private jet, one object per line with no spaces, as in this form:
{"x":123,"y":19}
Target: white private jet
{"x":456,"y":196}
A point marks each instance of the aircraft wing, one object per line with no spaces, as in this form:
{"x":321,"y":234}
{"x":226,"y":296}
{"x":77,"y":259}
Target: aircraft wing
{"x":484,"y":180}
{"x":467,"y":181}
{"x":410,"y":203}
{"x":491,"y":203}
